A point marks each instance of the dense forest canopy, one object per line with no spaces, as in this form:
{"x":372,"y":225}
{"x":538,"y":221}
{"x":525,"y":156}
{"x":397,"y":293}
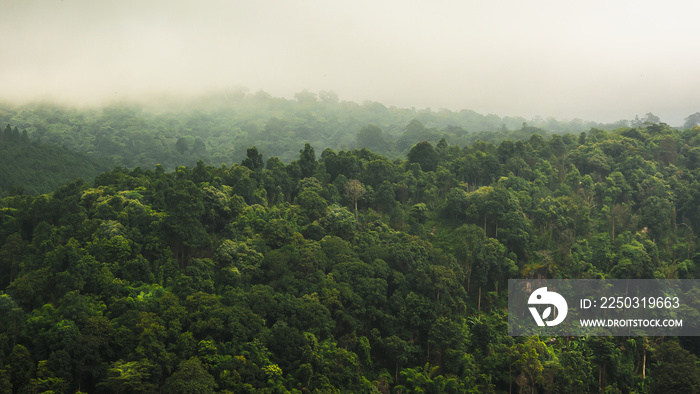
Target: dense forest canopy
{"x":219,"y":128}
{"x":31,"y":167}
{"x":344,"y":270}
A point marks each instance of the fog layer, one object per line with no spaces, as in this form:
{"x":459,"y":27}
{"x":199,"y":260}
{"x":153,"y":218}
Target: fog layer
{"x":596,"y":60}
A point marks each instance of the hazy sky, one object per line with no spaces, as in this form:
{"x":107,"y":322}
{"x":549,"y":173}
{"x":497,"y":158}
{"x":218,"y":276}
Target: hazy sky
{"x":596,"y":60}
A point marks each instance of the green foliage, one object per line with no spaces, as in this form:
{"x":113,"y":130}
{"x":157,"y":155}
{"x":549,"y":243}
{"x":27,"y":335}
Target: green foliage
{"x":32,"y":167}
{"x":129,"y":377}
{"x":424,"y":154}
{"x":254,"y":160}
{"x":371,"y":137}
{"x":190,"y":377}
{"x":677,"y":370}
{"x":37,"y":141}
{"x":351,"y":272}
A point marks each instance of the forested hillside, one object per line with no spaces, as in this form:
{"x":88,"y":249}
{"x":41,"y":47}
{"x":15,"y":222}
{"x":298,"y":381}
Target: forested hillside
{"x":31,"y":167}
{"x":346,"y":271}
{"x":220,"y":128}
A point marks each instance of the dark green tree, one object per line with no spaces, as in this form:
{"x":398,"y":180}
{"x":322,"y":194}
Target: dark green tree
{"x":371,"y":137}
{"x":254,"y":160}
{"x":424,"y":154}
{"x":190,"y":378}
{"x":307,"y":161}
{"x":181,"y":145}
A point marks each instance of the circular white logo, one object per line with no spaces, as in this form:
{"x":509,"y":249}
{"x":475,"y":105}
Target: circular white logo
{"x":543,"y":297}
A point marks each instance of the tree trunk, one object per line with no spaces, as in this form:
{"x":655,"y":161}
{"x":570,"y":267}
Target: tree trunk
{"x":510,"y":377}
{"x":479,"y":304}
{"x":644,"y":361}
{"x":613,"y":229}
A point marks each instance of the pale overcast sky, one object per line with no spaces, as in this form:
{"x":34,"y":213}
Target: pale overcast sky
{"x":595,"y":60}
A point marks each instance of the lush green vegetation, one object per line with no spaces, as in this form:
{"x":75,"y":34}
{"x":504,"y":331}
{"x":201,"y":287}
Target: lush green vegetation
{"x":348,"y":271}
{"x":34,"y":168}
{"x":220,"y":128}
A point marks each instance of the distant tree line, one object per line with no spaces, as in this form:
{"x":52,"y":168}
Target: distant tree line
{"x":220,"y":128}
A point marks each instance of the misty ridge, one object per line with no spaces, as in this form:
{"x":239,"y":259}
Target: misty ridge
{"x":218,"y":128}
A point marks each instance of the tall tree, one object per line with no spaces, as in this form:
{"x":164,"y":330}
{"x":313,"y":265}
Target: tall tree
{"x":307,"y":161}
{"x":355,"y":191}
{"x":253,"y":160}
{"x":692,"y":121}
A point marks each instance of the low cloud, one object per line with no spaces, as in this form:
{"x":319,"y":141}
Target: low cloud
{"x":597,"y":61}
